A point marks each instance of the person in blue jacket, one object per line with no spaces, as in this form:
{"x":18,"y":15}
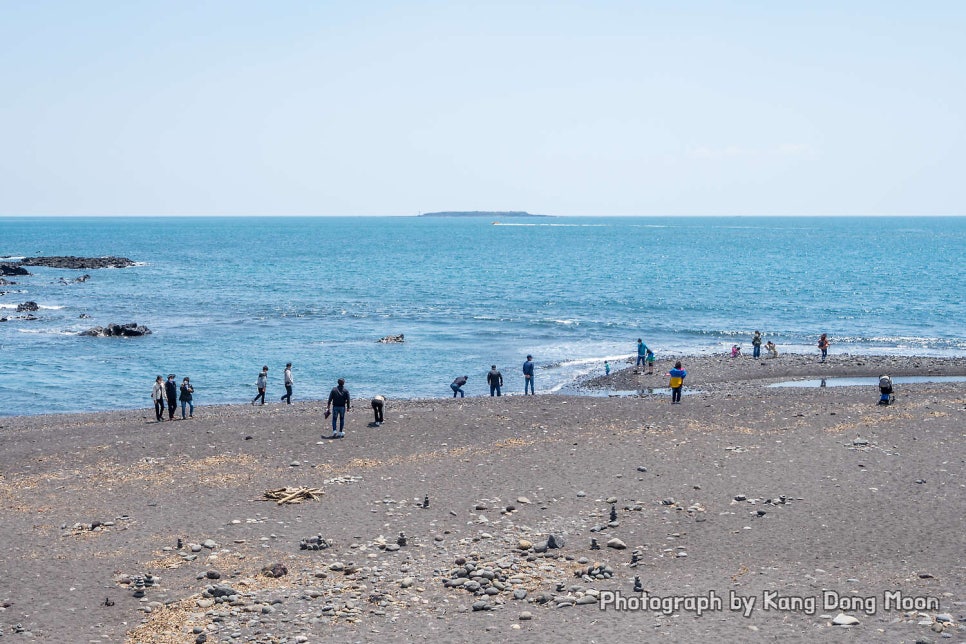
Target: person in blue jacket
{"x":677,"y":375}
{"x":528,"y":375}
{"x":641,"y":355}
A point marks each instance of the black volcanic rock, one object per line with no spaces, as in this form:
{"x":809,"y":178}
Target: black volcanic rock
{"x":27,"y":306}
{"x":84,"y":263}
{"x":13,"y":269}
{"x":132,"y":330}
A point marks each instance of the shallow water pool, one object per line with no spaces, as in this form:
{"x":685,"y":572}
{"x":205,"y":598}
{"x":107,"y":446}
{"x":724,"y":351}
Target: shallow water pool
{"x":866,"y":382}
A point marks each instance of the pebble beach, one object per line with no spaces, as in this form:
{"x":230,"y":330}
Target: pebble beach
{"x":746,"y":513}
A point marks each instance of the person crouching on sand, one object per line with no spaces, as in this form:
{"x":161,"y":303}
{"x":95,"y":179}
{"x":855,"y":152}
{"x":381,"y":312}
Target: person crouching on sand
{"x":771,"y":349}
{"x":457,"y":386}
{"x":378,"y":406}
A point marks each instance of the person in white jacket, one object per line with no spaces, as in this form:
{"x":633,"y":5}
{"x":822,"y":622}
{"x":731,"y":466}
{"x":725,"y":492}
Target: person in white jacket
{"x":288,"y":383}
{"x":159,"y":398}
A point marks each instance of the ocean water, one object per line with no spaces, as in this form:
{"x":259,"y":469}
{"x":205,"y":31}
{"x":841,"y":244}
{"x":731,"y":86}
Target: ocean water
{"x":224,"y":296}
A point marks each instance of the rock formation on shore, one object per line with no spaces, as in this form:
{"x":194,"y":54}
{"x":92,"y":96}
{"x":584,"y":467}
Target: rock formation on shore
{"x":132,"y":330}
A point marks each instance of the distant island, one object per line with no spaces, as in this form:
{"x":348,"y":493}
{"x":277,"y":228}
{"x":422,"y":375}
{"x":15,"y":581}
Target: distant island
{"x":480,"y":213}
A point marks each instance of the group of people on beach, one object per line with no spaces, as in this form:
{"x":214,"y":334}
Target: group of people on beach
{"x":166,"y":394}
{"x":756,"y":347}
{"x":261,"y":384}
{"x":338,"y":403}
{"x":823,"y":345}
{"x":494,"y":379}
{"x":646,"y":358}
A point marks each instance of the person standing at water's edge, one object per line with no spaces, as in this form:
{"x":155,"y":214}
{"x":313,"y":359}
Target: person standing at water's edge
{"x":288,"y":383}
{"x":339,"y":404}
{"x":528,"y":375}
{"x":823,"y":346}
{"x":262,"y":385}
{"x":159,"y":397}
{"x":495,"y":379}
{"x":677,"y":375}
{"x":756,"y":345}
{"x":187,"y":392}
{"x":171,"y":393}
{"x":457,"y":386}
{"x":641,"y":355}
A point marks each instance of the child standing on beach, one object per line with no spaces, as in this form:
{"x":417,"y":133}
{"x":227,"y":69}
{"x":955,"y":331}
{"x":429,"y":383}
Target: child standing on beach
{"x":677,"y":375}
{"x":606,"y":368}
{"x":823,"y":346}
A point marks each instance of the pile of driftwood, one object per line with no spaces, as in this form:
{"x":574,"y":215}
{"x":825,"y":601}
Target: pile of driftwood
{"x":285,"y":495}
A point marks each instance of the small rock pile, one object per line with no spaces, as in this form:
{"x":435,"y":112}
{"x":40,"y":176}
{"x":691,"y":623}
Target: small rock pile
{"x":314,"y":543}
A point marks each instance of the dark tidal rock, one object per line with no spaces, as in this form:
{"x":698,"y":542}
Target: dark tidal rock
{"x":131,"y":330}
{"x":13,"y":269}
{"x":72,"y":262}
{"x":27,"y":306}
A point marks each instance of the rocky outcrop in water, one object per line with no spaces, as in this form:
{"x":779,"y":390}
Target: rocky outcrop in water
{"x":27,"y":306}
{"x":132,"y":330}
{"x":392,"y":339}
{"x":12,"y":269}
{"x":78,"y":262}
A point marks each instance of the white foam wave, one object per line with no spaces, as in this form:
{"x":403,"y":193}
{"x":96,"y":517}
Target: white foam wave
{"x":47,"y":332}
{"x":45,"y":307}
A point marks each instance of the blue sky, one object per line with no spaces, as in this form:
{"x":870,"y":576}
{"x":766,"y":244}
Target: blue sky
{"x":565,"y":108}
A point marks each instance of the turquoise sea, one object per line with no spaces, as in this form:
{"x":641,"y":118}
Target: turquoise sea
{"x":224,"y":296}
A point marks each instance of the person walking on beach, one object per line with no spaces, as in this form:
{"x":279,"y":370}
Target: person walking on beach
{"x":606,"y":368}
{"x":528,"y":375}
{"x":457,"y":386}
{"x":159,"y":397}
{"x":338,"y":404}
{"x":186,"y":394}
{"x":495,"y":379}
{"x":677,"y":375}
{"x":378,"y":405}
{"x":171,"y":394}
{"x":650,"y":361}
{"x":262,"y":384}
{"x":823,"y":346}
{"x":287,"y":374}
{"x":756,"y":345}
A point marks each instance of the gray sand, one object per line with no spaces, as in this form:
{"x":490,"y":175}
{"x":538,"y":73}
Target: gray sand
{"x":834,"y":494}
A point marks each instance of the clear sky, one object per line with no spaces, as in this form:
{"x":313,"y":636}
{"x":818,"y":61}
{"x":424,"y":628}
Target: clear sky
{"x":596,"y":107}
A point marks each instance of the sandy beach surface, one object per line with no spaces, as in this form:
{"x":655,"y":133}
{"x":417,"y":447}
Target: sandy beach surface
{"x":775,"y":513}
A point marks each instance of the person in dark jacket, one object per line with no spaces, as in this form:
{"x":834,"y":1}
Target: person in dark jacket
{"x":457,"y":386}
{"x":338,"y":404}
{"x":528,"y":375}
{"x":495,"y":379}
{"x":186,"y":394}
{"x":171,"y":393}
